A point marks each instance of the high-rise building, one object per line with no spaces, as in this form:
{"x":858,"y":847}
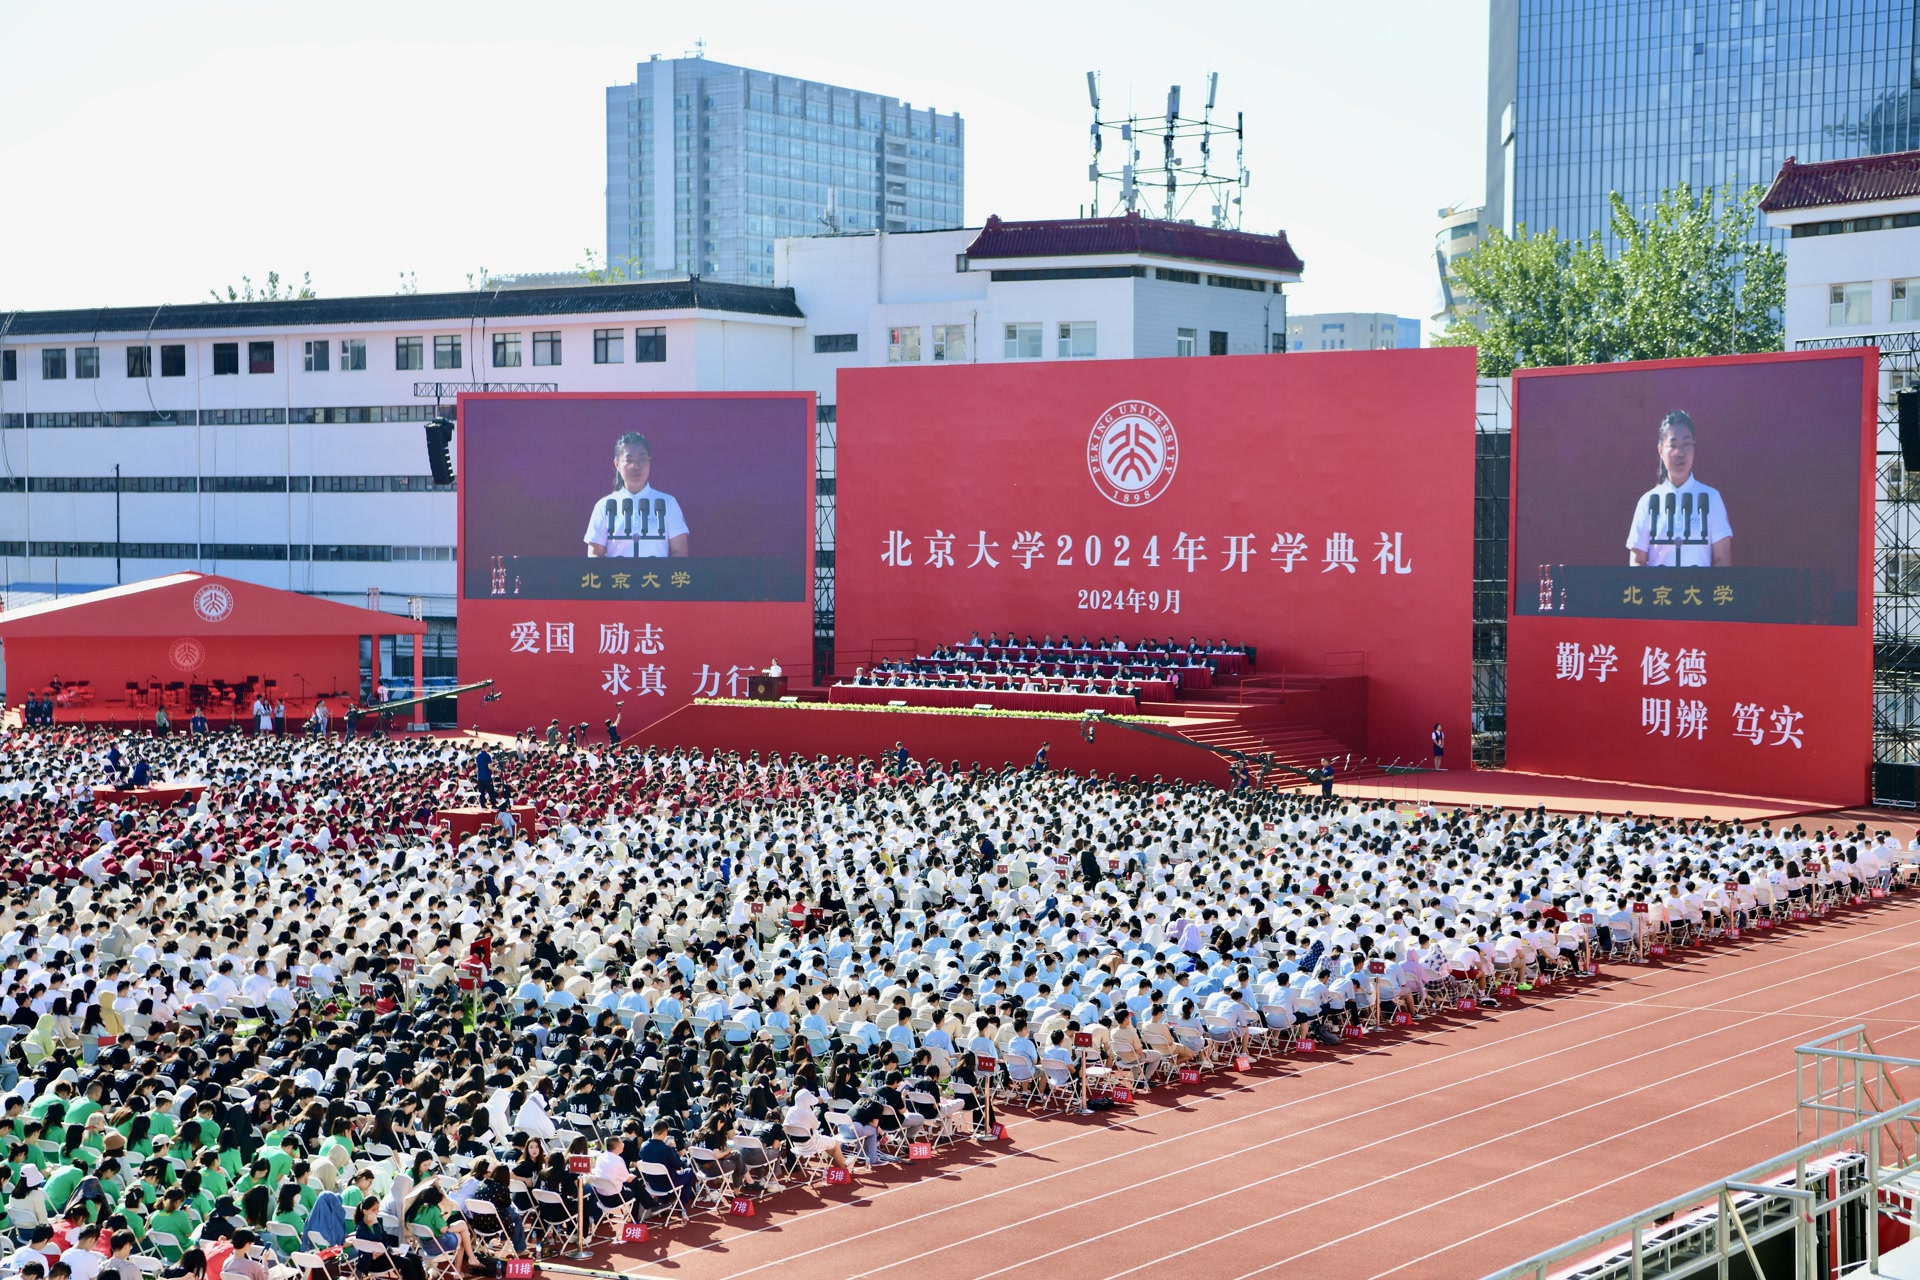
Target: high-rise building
{"x":1587,"y":97}
{"x":1462,"y":230}
{"x":707,"y":164}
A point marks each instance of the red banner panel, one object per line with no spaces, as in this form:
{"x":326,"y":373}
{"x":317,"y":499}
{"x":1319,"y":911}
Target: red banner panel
{"x":621,"y":555}
{"x":1316,"y":507}
{"x":1693,"y":574}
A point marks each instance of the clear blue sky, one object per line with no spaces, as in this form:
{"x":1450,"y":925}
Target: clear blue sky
{"x":158,"y":150}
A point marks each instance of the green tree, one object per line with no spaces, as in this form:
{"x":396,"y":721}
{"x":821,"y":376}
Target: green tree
{"x":593,"y":271}
{"x":273,"y":292}
{"x":1686,"y":280}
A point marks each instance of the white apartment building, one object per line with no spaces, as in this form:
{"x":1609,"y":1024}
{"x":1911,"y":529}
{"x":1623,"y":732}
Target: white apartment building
{"x":282,"y":442}
{"x":1081,"y":289}
{"x":1853,"y":247}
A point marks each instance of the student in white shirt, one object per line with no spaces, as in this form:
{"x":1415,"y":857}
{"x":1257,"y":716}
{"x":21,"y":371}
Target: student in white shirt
{"x":645,"y":535}
{"x":1713,"y":536}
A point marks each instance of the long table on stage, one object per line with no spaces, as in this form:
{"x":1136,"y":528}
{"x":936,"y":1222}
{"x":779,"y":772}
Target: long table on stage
{"x":1226,"y":664}
{"x":1001,"y":700}
{"x":1156,"y":685}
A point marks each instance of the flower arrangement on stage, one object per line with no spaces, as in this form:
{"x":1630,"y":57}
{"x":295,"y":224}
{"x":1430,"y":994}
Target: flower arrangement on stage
{"x":924,"y":711}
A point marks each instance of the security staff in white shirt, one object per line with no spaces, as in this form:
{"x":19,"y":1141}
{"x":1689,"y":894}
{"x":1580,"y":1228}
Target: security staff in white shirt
{"x":1675,"y":449}
{"x":633,"y":461}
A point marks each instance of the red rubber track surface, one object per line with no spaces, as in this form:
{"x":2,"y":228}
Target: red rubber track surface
{"x":1446,"y":1150}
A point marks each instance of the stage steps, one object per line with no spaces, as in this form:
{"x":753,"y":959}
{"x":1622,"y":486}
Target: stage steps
{"x":1299,"y":745}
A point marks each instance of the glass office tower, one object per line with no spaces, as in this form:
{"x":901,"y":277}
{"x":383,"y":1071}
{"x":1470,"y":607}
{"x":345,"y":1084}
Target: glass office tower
{"x":1636,"y":96}
{"x":708,"y":163}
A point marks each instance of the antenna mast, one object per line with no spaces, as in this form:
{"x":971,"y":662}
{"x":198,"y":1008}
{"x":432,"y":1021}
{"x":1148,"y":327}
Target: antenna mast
{"x":1185,"y":166}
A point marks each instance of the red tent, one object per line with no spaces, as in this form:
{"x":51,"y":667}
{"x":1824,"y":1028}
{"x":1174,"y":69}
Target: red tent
{"x":186,"y":640}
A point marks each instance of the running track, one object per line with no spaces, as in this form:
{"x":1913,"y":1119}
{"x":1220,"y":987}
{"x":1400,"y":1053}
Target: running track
{"x":1466,"y":1143}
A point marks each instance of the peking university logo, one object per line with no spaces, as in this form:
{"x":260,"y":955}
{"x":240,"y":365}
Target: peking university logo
{"x":1132,"y":453}
{"x":213,"y":602}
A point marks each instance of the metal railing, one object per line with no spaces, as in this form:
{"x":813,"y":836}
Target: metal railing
{"x":1748,"y":1206}
{"x":1840,"y":1080}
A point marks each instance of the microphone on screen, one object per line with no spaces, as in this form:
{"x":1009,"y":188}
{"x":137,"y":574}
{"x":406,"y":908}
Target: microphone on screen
{"x":1669,"y":517}
{"x":660,"y":514}
{"x":1653,"y":515}
{"x":613,"y":514}
{"x":646,"y":519}
{"x":1706,"y":530}
{"x":626,"y":514}
{"x":1686,"y":513}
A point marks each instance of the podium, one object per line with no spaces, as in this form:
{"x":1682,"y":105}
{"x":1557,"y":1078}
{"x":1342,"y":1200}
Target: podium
{"x":766,"y":688}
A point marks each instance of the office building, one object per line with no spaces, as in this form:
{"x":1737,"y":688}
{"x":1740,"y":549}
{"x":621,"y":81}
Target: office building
{"x":1463,"y":229}
{"x":1587,"y":97}
{"x":1351,"y":331}
{"x":1853,"y":249}
{"x":709,"y":164}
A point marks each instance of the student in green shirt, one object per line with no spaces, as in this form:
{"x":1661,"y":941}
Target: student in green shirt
{"x":61,"y":1180}
{"x":85,"y":1106}
{"x":172,"y":1219}
{"x":359,"y":1189}
{"x":289,"y":1212}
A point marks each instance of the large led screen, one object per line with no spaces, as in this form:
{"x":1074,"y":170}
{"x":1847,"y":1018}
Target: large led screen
{"x":621,"y":555}
{"x":1692,"y":554}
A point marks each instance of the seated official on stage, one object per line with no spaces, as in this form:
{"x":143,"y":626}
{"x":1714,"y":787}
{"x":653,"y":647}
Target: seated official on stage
{"x":1196,"y":657}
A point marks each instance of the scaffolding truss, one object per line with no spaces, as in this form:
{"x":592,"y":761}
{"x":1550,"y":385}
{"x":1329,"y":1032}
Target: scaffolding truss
{"x":1896,"y":550}
{"x":1492,"y":469}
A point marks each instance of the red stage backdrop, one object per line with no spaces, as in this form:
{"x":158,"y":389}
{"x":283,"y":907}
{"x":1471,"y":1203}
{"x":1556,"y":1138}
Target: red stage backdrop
{"x":1317,"y":507}
{"x":1739,"y":657}
{"x":709,"y":580}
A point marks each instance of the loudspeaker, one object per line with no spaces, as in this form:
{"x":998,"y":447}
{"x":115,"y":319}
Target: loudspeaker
{"x":1896,"y":785}
{"x":1909,"y":401}
{"x":440,"y":449}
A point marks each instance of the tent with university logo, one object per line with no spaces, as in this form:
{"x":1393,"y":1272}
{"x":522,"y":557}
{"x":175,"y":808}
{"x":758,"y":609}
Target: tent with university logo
{"x":189,"y":640}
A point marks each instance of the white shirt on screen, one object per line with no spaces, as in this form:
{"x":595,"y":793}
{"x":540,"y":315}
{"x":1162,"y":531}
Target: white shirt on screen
{"x":1695,"y":555}
{"x":653,"y":546}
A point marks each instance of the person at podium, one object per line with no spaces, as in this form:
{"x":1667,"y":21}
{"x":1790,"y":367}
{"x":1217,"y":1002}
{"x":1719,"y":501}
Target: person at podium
{"x":615,"y":534}
{"x":1680,"y":487}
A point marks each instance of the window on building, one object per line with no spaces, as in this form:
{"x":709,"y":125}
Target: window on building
{"x":317,"y":352}
{"x":259,"y":357}
{"x":1023,"y":342}
{"x":1906,"y":301}
{"x":1185,"y":341}
{"x":446,"y":351}
{"x":1216,"y":342}
{"x":409,"y":353}
{"x":903,"y":345}
{"x":1276,"y":342}
{"x":53,"y":364}
{"x":1850,"y":303}
{"x":950,"y":343}
{"x":226,"y":358}
{"x":139,"y":362}
{"x":609,"y":346}
{"x":830,"y":344}
{"x":506,"y":351}
{"x":86,"y":362}
{"x":173,"y":360}
{"x":546,"y":347}
{"x":353,"y":354}
{"x":650,"y":346}
{"x":1078,"y":338}
{"x":9,"y":367}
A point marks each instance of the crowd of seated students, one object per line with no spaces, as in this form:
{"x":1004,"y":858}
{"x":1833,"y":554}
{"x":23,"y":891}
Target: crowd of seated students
{"x":292,"y":1013}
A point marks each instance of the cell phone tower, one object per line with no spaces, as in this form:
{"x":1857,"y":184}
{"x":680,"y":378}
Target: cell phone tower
{"x":1183,"y":169}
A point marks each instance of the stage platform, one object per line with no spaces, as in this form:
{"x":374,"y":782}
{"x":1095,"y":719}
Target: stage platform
{"x":1511,"y":789}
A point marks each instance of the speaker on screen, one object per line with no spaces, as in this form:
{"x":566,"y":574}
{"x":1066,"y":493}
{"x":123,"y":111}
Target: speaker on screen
{"x":1909,"y":401}
{"x":440,"y":449}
